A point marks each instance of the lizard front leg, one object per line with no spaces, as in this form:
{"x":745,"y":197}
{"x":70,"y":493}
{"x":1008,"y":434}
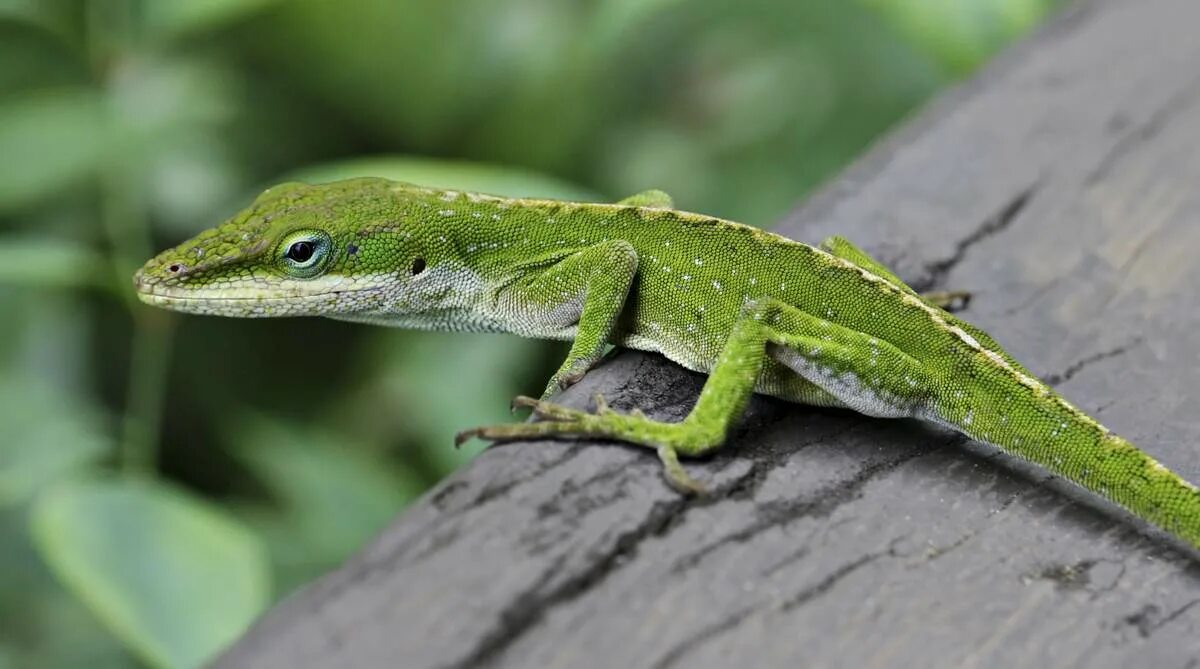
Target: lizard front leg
{"x":846,"y":250}
{"x":594,"y":281}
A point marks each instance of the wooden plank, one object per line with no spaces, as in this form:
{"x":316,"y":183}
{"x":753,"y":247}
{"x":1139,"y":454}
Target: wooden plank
{"x":1061,"y":187}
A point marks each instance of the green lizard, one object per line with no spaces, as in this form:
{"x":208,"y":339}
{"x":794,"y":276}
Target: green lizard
{"x":757,"y":312}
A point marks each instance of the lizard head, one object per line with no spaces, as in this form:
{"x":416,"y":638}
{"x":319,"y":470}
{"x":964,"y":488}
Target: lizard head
{"x":333,"y":249}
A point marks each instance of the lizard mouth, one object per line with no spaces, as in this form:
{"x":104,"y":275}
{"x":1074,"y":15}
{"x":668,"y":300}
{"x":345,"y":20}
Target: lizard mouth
{"x":257,"y":300}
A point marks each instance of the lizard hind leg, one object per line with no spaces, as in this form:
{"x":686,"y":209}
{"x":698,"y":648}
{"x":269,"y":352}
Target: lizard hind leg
{"x":840,"y":247}
{"x":862,"y":372}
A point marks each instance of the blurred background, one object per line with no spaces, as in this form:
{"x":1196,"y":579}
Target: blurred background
{"x":163,"y":479}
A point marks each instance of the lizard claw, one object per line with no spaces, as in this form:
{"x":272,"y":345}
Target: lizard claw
{"x":546,"y":410}
{"x":560,"y":382}
{"x":570,"y":380}
{"x":465,"y":436}
{"x":601,"y":404}
{"x":522,"y":402}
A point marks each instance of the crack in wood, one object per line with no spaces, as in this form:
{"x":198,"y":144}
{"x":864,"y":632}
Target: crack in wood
{"x":529,"y":608}
{"x":1081,"y":364}
{"x":1158,"y":119}
{"x":684,"y":648}
{"x":826,"y":584}
{"x":1147,"y":620}
{"x":821,"y":502}
{"x":935,"y":272}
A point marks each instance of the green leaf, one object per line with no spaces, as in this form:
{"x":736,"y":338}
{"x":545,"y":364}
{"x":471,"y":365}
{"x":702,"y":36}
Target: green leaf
{"x":173,"y":578}
{"x":47,"y":433}
{"x":49,"y":140}
{"x":480,"y":177}
{"x":41,"y":625}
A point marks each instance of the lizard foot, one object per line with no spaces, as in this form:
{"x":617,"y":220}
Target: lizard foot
{"x":562,"y":381}
{"x":950,"y":300}
{"x":557,"y":421}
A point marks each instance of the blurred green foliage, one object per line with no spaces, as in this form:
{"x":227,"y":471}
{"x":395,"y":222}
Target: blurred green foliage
{"x":163,"y":479}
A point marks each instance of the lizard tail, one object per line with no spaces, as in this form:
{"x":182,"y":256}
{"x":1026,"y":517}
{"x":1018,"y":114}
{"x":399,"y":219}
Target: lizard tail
{"x":1035,"y":423}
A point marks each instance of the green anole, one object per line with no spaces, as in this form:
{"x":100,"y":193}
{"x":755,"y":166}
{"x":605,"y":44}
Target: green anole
{"x":826,"y":326}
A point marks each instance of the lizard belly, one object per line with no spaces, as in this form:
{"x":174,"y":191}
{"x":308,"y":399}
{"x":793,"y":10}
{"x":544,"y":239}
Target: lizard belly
{"x":776,"y":379}
{"x":680,"y":355}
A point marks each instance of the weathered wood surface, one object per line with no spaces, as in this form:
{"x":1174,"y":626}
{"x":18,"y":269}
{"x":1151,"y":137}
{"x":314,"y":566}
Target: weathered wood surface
{"x":1063,"y":188}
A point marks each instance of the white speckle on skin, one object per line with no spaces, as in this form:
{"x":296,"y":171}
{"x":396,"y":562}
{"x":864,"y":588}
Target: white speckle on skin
{"x":717,"y":285}
{"x":698,"y":262}
{"x":446,"y":212}
{"x":967,"y":339}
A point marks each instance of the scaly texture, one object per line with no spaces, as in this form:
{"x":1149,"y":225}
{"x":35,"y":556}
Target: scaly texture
{"x":754,"y":310}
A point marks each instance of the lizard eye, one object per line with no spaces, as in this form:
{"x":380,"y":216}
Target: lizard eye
{"x":304,"y":253}
{"x":300,"y":252}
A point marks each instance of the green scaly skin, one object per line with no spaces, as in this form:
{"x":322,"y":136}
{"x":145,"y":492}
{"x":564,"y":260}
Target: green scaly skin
{"x":757,"y":312}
